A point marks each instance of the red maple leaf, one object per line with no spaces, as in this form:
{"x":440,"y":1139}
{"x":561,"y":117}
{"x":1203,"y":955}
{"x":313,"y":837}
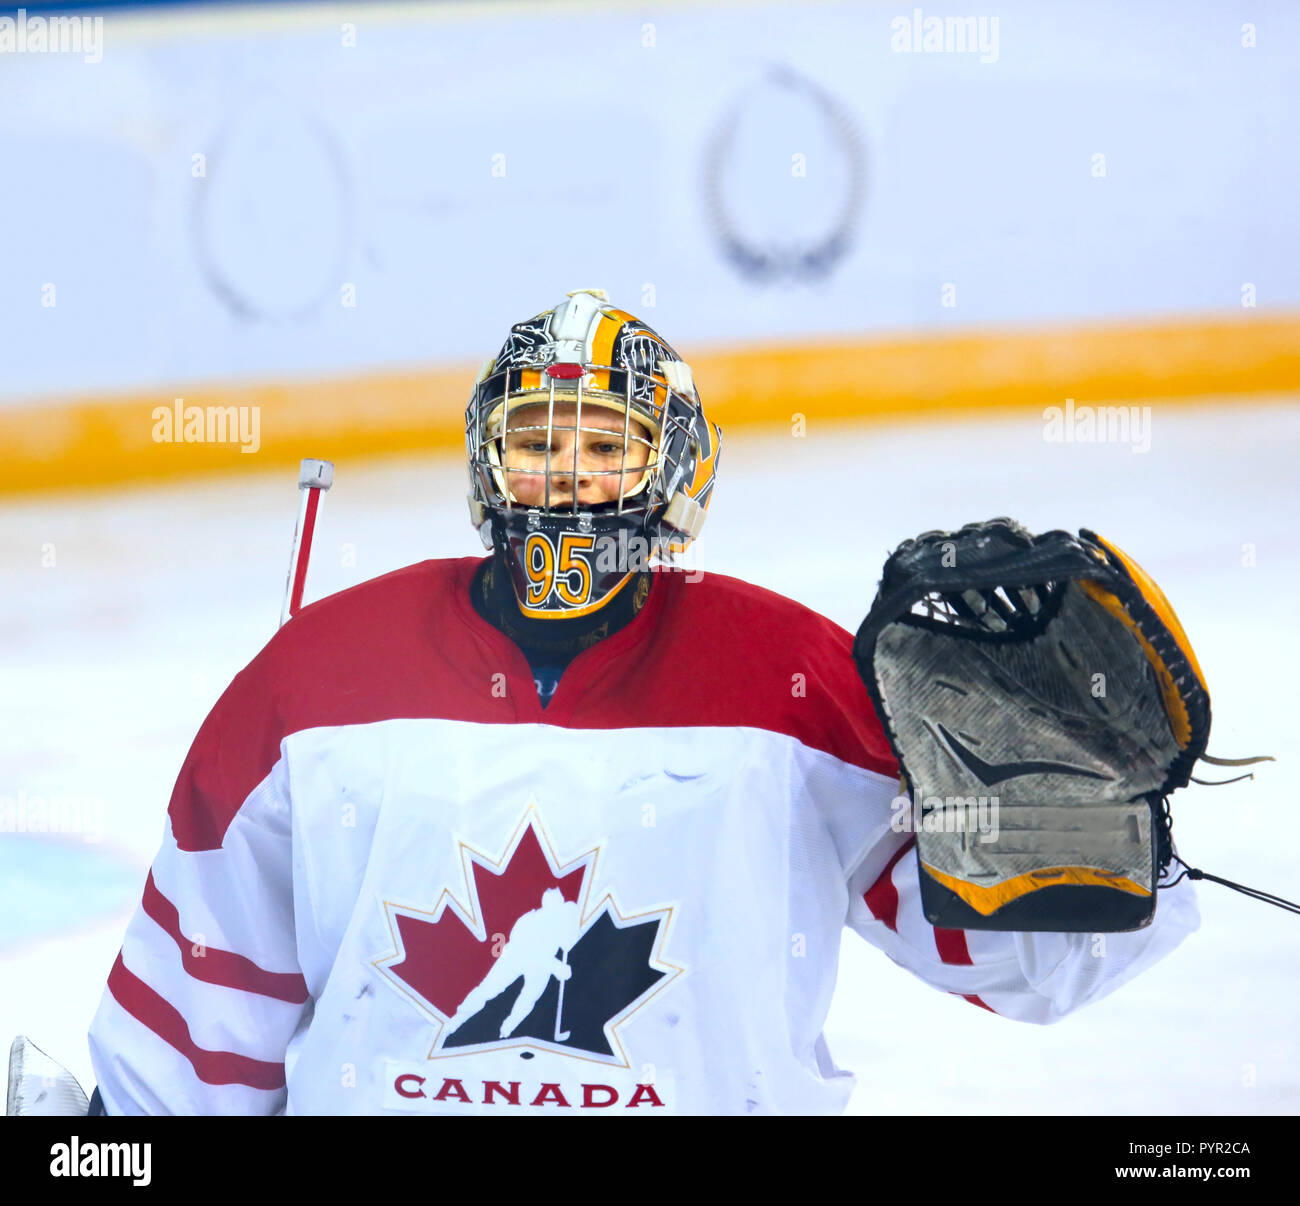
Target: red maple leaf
{"x":444,"y":959}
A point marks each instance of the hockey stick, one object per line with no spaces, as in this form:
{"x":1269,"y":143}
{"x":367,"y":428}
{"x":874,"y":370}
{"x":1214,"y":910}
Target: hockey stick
{"x":314,"y":477}
{"x":561,"y":1035}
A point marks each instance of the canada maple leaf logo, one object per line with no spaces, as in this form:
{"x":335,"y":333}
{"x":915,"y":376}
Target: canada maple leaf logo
{"x":524,"y":960}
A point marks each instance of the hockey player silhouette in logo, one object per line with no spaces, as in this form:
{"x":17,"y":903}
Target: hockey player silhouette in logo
{"x":530,"y":953}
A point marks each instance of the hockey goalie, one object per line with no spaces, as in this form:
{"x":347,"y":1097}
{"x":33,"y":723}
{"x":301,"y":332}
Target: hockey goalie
{"x":566,"y":828}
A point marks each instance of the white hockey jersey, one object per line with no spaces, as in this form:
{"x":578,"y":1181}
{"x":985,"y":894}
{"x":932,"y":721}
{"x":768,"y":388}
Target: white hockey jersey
{"x":391,"y":882}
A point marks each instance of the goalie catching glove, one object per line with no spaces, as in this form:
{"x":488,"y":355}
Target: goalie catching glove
{"x":1042,"y":701}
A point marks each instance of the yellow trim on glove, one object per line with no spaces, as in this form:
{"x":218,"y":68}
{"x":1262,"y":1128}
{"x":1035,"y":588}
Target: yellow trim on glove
{"x":1155,"y":597}
{"x":987,"y":900}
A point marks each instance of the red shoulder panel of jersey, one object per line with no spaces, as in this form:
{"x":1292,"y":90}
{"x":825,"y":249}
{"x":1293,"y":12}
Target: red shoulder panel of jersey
{"x":387,"y":648}
{"x":704,"y":650}
{"x":726,"y":652}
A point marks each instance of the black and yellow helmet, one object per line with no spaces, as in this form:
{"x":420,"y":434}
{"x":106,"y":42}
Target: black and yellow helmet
{"x":568,"y":557}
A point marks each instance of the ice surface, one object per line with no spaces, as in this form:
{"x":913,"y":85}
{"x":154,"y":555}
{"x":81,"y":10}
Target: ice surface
{"x":155,"y":597}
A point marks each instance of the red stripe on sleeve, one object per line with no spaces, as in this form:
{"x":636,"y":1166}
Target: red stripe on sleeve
{"x":211,"y":1067}
{"x":951,"y":945}
{"x":882,"y":897}
{"x":223,"y":968}
{"x":952,"y":948}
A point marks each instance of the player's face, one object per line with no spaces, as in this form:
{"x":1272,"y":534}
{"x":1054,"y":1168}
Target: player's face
{"x":599,"y":454}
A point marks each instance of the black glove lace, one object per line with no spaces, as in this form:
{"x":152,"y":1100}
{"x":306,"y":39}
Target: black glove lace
{"x":1166,"y":855}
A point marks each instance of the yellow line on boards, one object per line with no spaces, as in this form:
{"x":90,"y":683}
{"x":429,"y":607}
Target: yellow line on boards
{"x":149,"y":435}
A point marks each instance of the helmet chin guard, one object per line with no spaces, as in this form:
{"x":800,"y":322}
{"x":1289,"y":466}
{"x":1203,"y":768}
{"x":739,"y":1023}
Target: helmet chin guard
{"x":562,"y":569}
{"x":569,"y":557}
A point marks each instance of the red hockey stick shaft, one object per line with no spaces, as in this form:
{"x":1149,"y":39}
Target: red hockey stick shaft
{"x":314,"y":477}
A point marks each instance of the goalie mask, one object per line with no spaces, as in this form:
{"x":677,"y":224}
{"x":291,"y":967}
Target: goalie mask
{"x":589,"y":454}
